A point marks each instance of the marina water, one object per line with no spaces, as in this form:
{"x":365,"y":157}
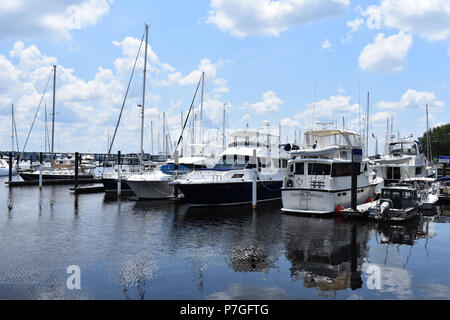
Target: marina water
{"x":131,"y":249}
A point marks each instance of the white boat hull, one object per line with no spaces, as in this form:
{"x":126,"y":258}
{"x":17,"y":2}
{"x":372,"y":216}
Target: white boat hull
{"x":151,"y":189}
{"x":4,"y":172}
{"x":299,"y":200}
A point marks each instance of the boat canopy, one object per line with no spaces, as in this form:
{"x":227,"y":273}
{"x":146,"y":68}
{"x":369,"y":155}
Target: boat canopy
{"x":332,"y":137}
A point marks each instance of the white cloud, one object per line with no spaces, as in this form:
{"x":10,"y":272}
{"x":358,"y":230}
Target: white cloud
{"x":413,"y":99}
{"x":386,"y":55}
{"x":326,"y":45}
{"x":291,"y":123}
{"x":429,"y":19}
{"x":267,"y":17}
{"x":270,"y":102}
{"x":341,"y":90}
{"x":55,"y":18}
{"x":88,"y":109}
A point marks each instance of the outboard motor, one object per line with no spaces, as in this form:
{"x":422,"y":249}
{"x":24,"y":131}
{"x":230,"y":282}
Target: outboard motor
{"x":385,"y":206}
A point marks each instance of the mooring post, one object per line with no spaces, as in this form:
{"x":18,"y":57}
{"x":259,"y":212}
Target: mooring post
{"x":356,"y":168}
{"x":119,"y":173}
{"x":254,"y":182}
{"x":10,"y":166}
{"x":40,"y":171}
{"x":77,"y":160}
{"x":175,"y":188}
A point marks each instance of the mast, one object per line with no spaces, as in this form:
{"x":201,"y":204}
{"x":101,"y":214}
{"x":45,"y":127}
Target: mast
{"x":201,"y":108}
{"x":46,"y":131}
{"x":151,"y":132}
{"x":164,"y":134}
{"x":367,"y":126}
{"x":428,"y":138}
{"x":181,"y":127}
{"x":223,"y":133}
{"x":143,"y":96}
{"x":53,"y":113}
{"x":12,"y":127}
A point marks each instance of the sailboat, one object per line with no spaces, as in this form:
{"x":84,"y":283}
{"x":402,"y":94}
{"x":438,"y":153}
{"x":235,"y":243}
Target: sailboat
{"x":155,"y":184}
{"x":64,"y":167}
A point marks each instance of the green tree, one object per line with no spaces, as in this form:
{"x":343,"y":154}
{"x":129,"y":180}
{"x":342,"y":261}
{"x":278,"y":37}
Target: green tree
{"x":440,"y":141}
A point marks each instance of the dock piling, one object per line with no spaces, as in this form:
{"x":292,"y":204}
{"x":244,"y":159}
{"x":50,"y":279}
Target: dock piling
{"x":77,"y":160}
{"x":254,"y":182}
{"x":40,"y":171}
{"x":10,"y":166}
{"x":119,"y":173}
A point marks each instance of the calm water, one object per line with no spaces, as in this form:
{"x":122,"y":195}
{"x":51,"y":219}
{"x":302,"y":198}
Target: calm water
{"x":164,"y":250}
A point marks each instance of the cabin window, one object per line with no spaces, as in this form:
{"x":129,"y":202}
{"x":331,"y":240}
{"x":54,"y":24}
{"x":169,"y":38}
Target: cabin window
{"x":393,"y":173}
{"x":300,"y":168}
{"x":318,"y":169}
{"x":341,"y":169}
{"x":418,"y":170}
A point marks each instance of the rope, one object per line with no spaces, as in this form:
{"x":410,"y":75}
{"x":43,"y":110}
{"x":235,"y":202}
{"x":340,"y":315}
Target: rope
{"x":266,"y":187}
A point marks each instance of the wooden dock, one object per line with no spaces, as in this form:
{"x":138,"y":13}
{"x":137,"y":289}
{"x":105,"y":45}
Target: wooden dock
{"x":88,"y":189}
{"x":51,"y":182}
{"x":362,"y":211}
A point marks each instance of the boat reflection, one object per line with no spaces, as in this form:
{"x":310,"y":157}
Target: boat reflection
{"x":443,"y":214}
{"x":407,"y":233}
{"x":326,"y":253}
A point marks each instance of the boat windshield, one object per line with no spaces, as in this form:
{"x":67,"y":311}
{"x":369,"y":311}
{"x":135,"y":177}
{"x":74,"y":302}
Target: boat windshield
{"x":232,"y":162}
{"x":403,"y":148}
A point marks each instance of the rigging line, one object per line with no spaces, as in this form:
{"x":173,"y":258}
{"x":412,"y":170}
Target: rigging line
{"x":37,"y":111}
{"x":123,"y":104}
{"x":187,"y":117}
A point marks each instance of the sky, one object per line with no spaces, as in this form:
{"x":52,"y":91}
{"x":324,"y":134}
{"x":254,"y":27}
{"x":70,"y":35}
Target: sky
{"x":291,"y":62}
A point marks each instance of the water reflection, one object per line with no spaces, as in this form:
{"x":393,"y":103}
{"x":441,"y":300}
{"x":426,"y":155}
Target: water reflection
{"x":326,"y":253}
{"x":443,"y":214}
{"x":163,"y":249}
{"x":407,"y":233}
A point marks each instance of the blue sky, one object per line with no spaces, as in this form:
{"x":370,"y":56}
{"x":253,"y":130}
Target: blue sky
{"x":274,"y":60}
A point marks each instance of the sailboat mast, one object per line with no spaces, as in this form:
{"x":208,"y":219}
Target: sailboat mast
{"x":12,"y":127}
{"x":143,"y":96}
{"x":367,"y":126}
{"x":428,"y":138}
{"x":53,"y":113}
{"x":223,"y":134}
{"x":164,"y":134}
{"x":201,"y":109}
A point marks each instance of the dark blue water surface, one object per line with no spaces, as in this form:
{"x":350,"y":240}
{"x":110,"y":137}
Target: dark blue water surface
{"x":163,"y":250}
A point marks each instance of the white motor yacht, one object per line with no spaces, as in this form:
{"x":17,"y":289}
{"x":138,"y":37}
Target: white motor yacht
{"x":318,"y":178}
{"x":230,"y":181}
